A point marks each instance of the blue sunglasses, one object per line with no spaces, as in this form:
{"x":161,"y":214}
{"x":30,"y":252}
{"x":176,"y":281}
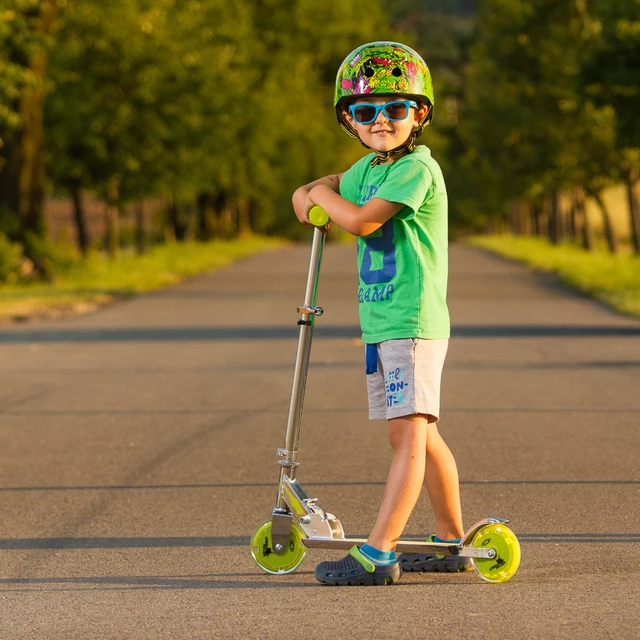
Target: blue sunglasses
{"x":366,"y":113}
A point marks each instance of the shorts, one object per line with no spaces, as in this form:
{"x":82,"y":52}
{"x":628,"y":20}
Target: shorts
{"x":406,"y":379}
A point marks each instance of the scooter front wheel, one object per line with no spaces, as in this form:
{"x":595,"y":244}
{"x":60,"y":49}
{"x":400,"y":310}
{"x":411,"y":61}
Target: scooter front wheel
{"x":507,"y":559}
{"x":270,"y":561}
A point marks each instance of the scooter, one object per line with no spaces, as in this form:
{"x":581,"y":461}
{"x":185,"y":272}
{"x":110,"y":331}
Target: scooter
{"x":279,"y":545}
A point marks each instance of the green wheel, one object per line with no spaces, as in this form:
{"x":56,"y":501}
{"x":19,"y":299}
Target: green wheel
{"x":270,"y":561}
{"x":507,"y":547}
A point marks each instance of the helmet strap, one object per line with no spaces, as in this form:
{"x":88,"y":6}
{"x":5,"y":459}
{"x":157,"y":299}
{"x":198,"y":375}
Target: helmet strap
{"x":383,"y":156}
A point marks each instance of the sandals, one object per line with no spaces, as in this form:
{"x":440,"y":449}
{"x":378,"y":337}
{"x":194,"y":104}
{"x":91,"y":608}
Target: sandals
{"x":356,"y":570}
{"x":434,"y":561}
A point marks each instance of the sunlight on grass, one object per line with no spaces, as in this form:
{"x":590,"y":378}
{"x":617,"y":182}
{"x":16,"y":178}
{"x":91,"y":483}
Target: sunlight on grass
{"x":97,"y":281}
{"x":613,"y":279}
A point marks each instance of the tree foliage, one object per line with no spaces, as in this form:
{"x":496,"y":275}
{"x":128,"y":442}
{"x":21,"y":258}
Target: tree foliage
{"x":197,"y":98}
{"x":222,"y":109}
{"x":539,"y":118}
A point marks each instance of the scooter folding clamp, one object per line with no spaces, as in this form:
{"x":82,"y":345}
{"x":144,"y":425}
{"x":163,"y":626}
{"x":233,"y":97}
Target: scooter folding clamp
{"x":288,"y":459}
{"x":307,"y":310}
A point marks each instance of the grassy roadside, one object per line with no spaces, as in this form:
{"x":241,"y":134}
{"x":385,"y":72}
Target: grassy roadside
{"x":86,"y":286}
{"x":612,"y":279}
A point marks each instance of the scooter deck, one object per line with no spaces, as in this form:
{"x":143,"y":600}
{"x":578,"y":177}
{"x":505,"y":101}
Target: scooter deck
{"x":403,"y":546}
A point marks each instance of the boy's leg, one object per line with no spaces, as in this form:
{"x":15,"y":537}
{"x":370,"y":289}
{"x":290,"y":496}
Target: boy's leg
{"x":408,"y":437}
{"x":375,"y":562}
{"x":443,"y":486}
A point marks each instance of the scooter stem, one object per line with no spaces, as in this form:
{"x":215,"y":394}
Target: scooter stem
{"x":308,"y":311}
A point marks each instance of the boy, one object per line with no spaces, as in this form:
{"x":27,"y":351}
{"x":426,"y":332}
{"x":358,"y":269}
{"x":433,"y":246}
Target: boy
{"x":394,"y":201}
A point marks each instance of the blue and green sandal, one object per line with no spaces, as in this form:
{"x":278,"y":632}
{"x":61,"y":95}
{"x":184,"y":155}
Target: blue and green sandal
{"x":356,"y":570}
{"x":434,"y":561}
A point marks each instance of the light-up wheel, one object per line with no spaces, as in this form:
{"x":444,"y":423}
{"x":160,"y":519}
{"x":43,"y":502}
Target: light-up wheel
{"x":270,"y":561}
{"x":507,"y":547}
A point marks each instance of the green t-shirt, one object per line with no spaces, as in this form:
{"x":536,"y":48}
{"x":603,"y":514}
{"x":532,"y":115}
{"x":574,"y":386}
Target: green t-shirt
{"x":403,"y":265}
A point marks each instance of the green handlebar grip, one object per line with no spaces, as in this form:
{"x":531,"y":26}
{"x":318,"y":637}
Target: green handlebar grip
{"x":318,"y":216}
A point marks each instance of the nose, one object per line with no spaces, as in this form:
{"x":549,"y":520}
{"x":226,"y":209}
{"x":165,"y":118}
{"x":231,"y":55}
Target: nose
{"x":381,"y":114}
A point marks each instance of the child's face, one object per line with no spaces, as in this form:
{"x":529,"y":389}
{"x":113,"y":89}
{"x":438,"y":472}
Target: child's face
{"x":384,"y":134}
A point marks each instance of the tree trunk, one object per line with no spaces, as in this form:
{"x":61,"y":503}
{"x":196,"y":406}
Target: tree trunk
{"x":113,"y":221}
{"x":536,"y":217}
{"x":79,"y":218}
{"x":526,"y":219}
{"x":556,"y":228}
{"x":140,"y":229}
{"x":244,"y":221}
{"x":226,"y":216}
{"x":588,"y":237}
{"x":31,"y":177}
{"x":178,"y":229}
{"x":519,"y":218}
{"x":631,"y":180}
{"x":10,"y":162}
{"x":169,"y":235}
{"x":512,"y":218}
{"x":609,"y":231}
{"x":172,"y":219}
{"x":206,"y":216}
{"x":572,"y":220}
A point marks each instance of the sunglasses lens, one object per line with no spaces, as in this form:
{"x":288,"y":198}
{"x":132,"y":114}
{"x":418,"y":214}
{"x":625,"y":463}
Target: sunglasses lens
{"x":364,"y":113}
{"x":396,"y":110}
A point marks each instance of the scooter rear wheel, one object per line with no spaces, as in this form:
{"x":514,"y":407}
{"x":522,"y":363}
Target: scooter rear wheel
{"x":270,"y":561}
{"x":507,"y":559}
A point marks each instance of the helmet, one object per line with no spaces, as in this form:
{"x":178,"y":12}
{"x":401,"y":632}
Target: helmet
{"x":382,"y":68}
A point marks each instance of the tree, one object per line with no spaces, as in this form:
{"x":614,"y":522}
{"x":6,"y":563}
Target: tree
{"x":528,"y":127}
{"x":26,"y":31}
{"x":611,"y":80}
{"x":103,"y":125}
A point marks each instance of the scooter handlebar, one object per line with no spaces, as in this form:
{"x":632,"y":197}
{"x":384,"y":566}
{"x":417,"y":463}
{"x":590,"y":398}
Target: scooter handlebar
{"x":318,"y":217}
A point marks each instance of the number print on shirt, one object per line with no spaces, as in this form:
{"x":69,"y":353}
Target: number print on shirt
{"x":383,"y":243}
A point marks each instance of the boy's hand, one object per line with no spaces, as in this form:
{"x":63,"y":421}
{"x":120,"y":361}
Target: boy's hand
{"x":299,"y":201}
{"x":300,"y":196}
{"x":310,"y":202}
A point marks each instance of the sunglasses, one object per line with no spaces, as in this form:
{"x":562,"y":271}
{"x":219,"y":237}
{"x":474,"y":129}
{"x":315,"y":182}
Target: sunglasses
{"x":366,"y":113}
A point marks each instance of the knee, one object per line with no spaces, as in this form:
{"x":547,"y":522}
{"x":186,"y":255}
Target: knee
{"x":407,"y":432}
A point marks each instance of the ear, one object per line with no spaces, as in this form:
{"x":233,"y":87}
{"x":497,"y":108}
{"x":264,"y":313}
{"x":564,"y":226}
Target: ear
{"x":421,"y":112}
{"x":347,"y":116}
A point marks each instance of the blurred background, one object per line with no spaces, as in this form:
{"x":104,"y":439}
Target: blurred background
{"x":131,"y":123}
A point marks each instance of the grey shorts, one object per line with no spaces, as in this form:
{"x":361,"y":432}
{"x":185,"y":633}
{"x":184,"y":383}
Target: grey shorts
{"x":407,"y":378}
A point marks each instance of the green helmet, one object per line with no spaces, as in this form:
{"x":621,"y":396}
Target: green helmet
{"x":382,"y":68}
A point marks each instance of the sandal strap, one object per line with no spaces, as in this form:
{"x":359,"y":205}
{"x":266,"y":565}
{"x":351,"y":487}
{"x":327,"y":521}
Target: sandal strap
{"x":354,"y":552}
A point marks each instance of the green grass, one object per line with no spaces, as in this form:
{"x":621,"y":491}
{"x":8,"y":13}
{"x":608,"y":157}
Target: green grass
{"x":87,"y":285}
{"x":612,"y":279}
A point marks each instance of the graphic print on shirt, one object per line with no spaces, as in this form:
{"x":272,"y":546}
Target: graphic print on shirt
{"x":395,"y":385}
{"x":378,"y":265}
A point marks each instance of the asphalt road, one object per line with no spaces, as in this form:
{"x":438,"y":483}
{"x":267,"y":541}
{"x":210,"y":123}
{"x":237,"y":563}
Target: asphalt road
{"x":138,"y":454}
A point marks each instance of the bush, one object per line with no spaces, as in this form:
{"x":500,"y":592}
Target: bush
{"x":10,"y":259}
{"x":49,"y":258}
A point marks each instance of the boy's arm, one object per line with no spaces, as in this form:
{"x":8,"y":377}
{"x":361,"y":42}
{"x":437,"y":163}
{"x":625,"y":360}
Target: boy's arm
{"x":300,"y":195}
{"x":359,"y":221}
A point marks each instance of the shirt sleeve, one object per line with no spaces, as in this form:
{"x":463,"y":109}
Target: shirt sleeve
{"x":409,"y":183}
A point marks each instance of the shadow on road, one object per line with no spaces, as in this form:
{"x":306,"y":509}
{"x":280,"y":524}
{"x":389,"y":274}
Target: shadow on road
{"x":270,"y":485}
{"x":205,"y":581}
{"x":134,"y":334}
